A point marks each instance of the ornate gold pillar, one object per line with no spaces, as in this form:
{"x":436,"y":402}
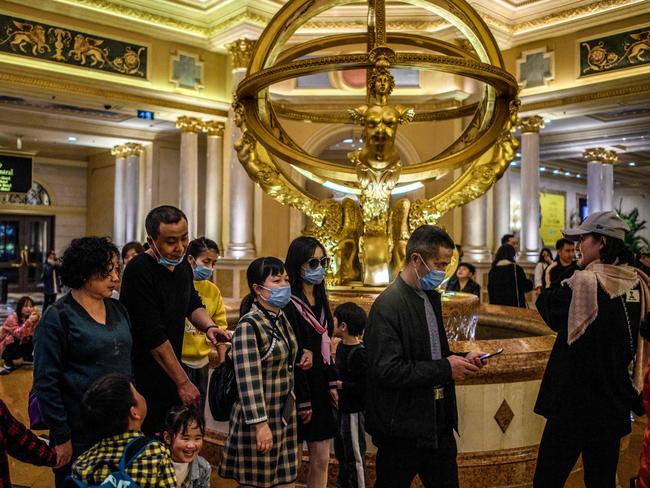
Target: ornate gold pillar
{"x":529,"y":239}
{"x":132,"y":151}
{"x":214,"y":181}
{"x":600,"y":178}
{"x":189,"y":170}
{"x":119,"y":207}
{"x":241,"y":243}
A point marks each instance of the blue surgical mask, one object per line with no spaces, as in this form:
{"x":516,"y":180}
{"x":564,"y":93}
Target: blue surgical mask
{"x":202,"y":273}
{"x":166,"y":261}
{"x":280,"y":296}
{"x":433,"y":279}
{"x":314,"y":276}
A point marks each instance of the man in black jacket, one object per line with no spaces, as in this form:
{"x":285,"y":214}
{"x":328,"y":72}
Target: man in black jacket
{"x":411,"y":402}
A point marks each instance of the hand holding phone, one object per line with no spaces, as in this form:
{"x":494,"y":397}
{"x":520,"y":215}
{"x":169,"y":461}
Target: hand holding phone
{"x":483,"y":357}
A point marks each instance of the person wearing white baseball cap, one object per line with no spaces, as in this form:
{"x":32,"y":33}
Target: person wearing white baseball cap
{"x":587,"y":394}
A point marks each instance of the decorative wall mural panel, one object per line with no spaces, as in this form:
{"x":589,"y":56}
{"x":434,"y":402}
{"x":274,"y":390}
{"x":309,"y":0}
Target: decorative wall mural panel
{"x":42,"y":41}
{"x":619,"y":51}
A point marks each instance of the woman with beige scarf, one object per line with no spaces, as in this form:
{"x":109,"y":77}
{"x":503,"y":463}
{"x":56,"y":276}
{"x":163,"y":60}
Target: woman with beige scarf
{"x":587,"y":393}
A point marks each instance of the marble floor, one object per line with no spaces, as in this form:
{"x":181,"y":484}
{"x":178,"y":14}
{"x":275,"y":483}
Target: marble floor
{"x":15,"y":387}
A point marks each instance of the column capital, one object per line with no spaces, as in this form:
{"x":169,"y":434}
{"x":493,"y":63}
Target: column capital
{"x":601,"y":155}
{"x":240,"y":51}
{"x":189,"y":124}
{"x":214,"y":128}
{"x":530,"y":124}
{"x":126,"y":150}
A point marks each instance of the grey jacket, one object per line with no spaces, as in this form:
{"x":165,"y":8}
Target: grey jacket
{"x":198,"y":475}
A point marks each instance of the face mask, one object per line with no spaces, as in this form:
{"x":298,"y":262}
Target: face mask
{"x":314,"y":276}
{"x":165,"y":261}
{"x":202,"y":273}
{"x":432,"y":279}
{"x":280,"y":296}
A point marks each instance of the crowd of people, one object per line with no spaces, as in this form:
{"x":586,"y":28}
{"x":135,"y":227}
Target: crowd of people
{"x":121,"y":361}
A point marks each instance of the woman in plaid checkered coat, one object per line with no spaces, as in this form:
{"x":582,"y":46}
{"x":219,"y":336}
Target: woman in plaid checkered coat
{"x":262,"y":445}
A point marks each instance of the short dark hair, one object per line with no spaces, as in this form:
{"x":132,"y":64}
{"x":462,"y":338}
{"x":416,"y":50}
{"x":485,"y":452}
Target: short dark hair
{"x":256,"y":274}
{"x":201,"y":244}
{"x":179,"y":419}
{"x":505,"y":238}
{"x":106,"y":405}
{"x":614,"y":250}
{"x":426,"y":240}
{"x":85,"y":258}
{"x":559,"y":245}
{"x":165,"y":214}
{"x":135,"y":245}
{"x":354,"y":317}
{"x":22,"y":301}
{"x":506,"y":251}
{"x":469,"y":266}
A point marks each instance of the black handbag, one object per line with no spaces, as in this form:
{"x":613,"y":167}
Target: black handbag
{"x":223,"y":390}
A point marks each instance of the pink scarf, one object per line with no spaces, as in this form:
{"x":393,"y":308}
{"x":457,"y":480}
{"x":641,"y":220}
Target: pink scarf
{"x":307,"y":314}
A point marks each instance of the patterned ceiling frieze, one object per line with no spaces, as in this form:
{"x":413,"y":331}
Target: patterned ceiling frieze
{"x":615,"y":52}
{"x":46,"y":42}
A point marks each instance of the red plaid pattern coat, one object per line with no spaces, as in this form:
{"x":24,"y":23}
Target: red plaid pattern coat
{"x":18,"y":441}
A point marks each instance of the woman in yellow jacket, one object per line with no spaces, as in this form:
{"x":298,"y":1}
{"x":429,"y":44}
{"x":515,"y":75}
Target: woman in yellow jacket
{"x":202,"y":254}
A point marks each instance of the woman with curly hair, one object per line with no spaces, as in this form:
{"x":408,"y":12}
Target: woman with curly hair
{"x":85,"y":335}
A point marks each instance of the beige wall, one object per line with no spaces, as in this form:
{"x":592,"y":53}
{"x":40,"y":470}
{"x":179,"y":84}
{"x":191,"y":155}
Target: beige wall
{"x":101,"y":184}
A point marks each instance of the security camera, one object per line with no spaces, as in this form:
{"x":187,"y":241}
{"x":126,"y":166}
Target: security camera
{"x":108,"y":107}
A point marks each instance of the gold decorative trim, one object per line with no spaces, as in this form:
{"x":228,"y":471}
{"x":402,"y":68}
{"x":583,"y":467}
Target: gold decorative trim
{"x":240,"y":51}
{"x":530,"y":125}
{"x":213,"y":128}
{"x":641,"y":89}
{"x":189,"y":124}
{"x":140,"y":100}
{"x":246,"y":17}
{"x":601,"y":155}
{"x":126,"y":150}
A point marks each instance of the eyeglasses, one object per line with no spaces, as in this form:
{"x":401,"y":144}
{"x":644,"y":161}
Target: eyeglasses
{"x":313,"y":263}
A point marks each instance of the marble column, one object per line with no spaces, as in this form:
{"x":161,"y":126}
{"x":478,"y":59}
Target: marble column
{"x":132,"y":190}
{"x":214,"y":181}
{"x":475,"y":245}
{"x":501,"y":202}
{"x":241,"y":243}
{"x":189,"y":171}
{"x":600,"y":178}
{"x":119,"y":208}
{"x":530,"y":214}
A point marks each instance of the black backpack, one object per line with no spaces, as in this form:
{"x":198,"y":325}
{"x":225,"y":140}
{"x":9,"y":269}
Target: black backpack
{"x":222,"y":390}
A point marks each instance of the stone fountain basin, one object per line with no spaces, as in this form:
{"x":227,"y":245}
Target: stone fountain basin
{"x":499,"y":434}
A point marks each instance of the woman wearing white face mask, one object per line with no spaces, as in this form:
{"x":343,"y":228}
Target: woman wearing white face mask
{"x":202,"y":254}
{"x":262,"y":448}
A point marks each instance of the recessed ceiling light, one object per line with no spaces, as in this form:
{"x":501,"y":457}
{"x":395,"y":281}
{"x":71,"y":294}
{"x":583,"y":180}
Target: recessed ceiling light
{"x":542,"y":168}
{"x":578,"y":176}
{"x":348,"y":141}
{"x":518,"y":155}
{"x":72,"y":139}
{"x":567,"y":173}
{"x":556,"y":171}
{"x":632,"y":163}
{"x":547,"y":121}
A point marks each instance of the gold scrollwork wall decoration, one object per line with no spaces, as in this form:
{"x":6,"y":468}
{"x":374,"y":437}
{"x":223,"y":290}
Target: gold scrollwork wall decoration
{"x":52,"y":43}
{"x":367,"y":238}
{"x":615,"y":52}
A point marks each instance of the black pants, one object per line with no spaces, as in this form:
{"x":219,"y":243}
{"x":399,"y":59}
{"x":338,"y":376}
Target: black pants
{"x":399,"y":460}
{"x":18,"y":350}
{"x":559,"y":450}
{"x":350,"y":450}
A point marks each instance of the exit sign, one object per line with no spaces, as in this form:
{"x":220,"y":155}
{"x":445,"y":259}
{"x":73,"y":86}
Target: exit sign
{"x":145,"y":114}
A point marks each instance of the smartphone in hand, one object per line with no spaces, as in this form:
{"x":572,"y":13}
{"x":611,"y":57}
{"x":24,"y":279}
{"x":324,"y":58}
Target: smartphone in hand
{"x":483,"y":357}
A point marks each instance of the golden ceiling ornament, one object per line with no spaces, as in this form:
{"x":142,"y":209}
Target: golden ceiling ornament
{"x":367,"y":237}
{"x":126,"y":150}
{"x":601,"y":155}
{"x":189,"y":124}
{"x":241,"y":51}
{"x":213,"y":128}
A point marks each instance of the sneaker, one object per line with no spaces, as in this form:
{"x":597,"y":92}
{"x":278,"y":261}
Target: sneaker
{"x":5,"y":370}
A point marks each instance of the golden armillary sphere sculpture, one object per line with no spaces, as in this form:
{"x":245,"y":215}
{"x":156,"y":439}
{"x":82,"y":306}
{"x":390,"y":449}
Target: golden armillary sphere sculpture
{"x":365,"y":235}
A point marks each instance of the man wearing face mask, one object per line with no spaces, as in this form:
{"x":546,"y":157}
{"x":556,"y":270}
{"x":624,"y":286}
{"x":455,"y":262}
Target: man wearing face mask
{"x":411,"y":403}
{"x":158,"y":292}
